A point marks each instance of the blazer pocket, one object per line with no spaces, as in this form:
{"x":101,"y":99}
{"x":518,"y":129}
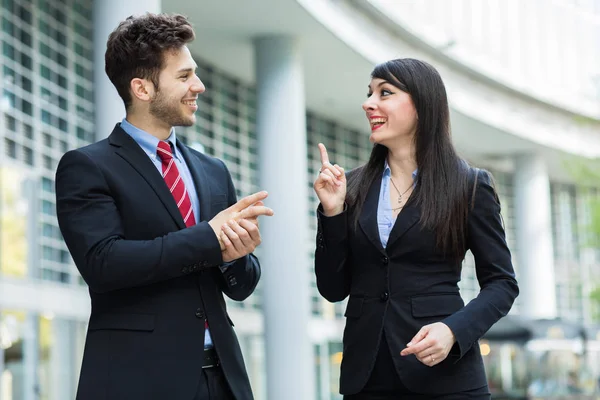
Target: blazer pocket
{"x":354,"y":307}
{"x":438,"y":305}
{"x":122,"y":321}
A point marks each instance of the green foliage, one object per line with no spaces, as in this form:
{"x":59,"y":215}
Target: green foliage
{"x":587,"y":175}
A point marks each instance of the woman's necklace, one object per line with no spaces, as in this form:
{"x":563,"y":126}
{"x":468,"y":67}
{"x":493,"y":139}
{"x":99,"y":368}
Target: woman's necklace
{"x":399,"y":194}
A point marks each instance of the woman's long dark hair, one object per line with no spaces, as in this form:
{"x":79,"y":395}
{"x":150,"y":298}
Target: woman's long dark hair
{"x":441,"y":183}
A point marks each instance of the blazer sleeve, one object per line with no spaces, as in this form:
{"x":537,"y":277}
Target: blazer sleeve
{"x":331,"y":256}
{"x":91,"y":226}
{"x":241,"y":276}
{"x":495,"y":273}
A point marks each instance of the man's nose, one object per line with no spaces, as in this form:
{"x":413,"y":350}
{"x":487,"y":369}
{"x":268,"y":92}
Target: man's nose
{"x":198,"y":86}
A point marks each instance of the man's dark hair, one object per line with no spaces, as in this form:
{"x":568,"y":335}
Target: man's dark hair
{"x":136,"y":48}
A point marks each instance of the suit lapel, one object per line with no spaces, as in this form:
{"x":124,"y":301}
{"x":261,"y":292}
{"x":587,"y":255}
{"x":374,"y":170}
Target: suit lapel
{"x":200,"y":180}
{"x":408,"y":216}
{"x":131,"y":152}
{"x":368,"y":216}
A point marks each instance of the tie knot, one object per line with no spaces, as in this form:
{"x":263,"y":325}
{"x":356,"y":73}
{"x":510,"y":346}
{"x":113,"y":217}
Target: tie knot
{"x":164,"y":151}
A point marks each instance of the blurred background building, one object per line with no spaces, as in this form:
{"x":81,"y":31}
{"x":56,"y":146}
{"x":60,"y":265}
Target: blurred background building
{"x":523,"y":78}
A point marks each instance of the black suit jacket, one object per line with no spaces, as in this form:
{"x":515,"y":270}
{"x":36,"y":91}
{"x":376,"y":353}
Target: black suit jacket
{"x":152,"y":281}
{"x":410,"y":284}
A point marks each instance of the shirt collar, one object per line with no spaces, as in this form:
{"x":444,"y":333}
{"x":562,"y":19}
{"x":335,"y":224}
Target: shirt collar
{"x":146,"y":141}
{"x":388,"y":172}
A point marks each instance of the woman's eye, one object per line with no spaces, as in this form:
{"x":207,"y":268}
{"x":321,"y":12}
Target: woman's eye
{"x":385,"y":92}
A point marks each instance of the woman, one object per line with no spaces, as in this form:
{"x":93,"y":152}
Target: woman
{"x":392,"y":235}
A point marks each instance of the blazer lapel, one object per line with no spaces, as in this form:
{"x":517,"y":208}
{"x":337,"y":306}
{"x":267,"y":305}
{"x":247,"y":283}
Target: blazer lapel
{"x":200,"y":180}
{"x":131,"y":152}
{"x":368,"y":216}
{"x":408,"y":216}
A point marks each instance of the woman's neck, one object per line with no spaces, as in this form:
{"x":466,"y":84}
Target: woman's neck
{"x":402,"y":162}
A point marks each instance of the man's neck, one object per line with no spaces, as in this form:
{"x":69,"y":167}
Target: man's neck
{"x":149,"y":124}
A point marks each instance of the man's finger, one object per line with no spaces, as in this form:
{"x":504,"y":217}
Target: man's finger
{"x":227,"y":243}
{"x":241,"y":232}
{"x":324,"y":156}
{"x":249,"y":200}
{"x":233,"y":238}
{"x":256,"y":211}
{"x":252,"y":230}
{"x":254,"y":220}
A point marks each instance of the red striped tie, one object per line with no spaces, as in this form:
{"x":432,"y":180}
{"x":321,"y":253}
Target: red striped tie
{"x":175,"y":183}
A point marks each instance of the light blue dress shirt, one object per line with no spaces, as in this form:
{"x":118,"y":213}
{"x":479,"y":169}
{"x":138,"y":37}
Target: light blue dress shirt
{"x":149,"y":144}
{"x":385,"y":214}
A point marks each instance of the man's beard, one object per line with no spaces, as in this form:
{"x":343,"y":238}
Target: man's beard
{"x":168,"y":110}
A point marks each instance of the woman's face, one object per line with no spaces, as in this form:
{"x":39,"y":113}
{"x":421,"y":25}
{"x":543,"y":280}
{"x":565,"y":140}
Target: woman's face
{"x":390,"y":112}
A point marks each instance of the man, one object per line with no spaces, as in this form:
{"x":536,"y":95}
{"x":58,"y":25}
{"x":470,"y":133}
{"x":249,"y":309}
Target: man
{"x":155,"y":230}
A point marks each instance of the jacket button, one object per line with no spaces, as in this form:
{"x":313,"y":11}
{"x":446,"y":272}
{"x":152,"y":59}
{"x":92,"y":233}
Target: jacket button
{"x":199,"y":313}
{"x":385,"y":260}
{"x":384,"y":296}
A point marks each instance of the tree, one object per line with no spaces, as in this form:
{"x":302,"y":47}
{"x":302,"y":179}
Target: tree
{"x":588,"y":177}
{"x":13,"y":223}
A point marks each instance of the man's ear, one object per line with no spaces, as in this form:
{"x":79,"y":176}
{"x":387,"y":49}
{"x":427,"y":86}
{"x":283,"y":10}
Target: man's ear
{"x":142,"y":89}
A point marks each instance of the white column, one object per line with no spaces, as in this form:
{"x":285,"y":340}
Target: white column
{"x":535,"y":254}
{"x":281,"y":128}
{"x":62,"y":383}
{"x":2,"y":384}
{"x":31,"y":326}
{"x":31,"y":360}
{"x":107,"y":16}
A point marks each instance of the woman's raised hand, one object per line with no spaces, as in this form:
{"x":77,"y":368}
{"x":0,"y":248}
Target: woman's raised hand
{"x":330,"y":185}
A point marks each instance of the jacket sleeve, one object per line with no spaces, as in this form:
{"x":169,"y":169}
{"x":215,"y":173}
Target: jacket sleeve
{"x":495,"y":273}
{"x":241,"y":276}
{"x":331,"y":256}
{"x":91,"y":226}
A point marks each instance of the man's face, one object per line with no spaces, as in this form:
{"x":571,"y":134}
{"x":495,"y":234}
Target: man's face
{"x":174,"y":101}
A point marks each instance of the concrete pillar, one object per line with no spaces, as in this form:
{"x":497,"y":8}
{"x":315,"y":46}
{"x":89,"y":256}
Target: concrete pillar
{"x":31,"y":360}
{"x":62,"y":383}
{"x":2,"y":384}
{"x":281,"y":129}
{"x":31,"y":326}
{"x":535,"y":253}
{"x":107,"y":16}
